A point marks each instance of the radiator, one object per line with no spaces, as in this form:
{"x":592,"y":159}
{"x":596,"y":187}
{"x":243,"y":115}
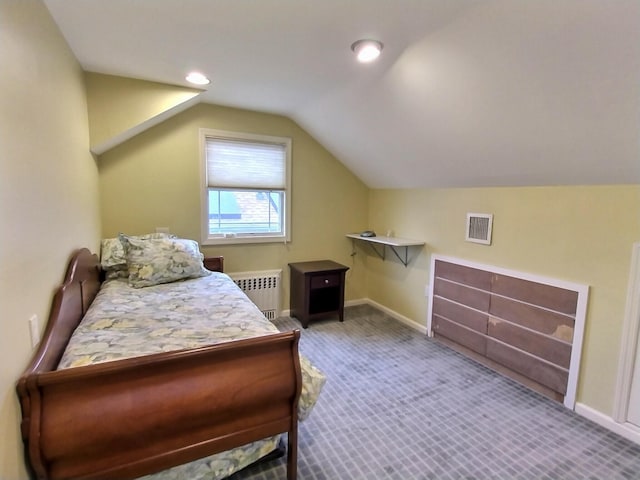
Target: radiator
{"x":263,"y":288}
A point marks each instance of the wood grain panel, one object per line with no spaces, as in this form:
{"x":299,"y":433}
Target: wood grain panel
{"x":465,"y":275}
{"x":549,"y":375}
{"x":460,"y":314}
{"x":459,"y":293}
{"x":459,"y":334}
{"x":541,"y":346}
{"x":547,"y":296}
{"x":530,"y":324}
{"x":507,"y":372}
{"x":215,"y":264}
{"x":538,"y":319}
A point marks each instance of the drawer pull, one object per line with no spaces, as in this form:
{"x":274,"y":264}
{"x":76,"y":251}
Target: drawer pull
{"x":325,"y":281}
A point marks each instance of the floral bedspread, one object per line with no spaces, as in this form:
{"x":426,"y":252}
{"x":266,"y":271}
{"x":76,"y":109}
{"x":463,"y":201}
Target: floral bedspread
{"x":122,"y":320}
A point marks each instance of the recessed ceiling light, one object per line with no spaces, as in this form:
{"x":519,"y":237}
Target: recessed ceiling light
{"x":367,"y":50}
{"x":197,"y":78}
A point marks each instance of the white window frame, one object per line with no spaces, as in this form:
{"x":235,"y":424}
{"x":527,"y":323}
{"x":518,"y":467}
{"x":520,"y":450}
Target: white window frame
{"x":208,"y":239}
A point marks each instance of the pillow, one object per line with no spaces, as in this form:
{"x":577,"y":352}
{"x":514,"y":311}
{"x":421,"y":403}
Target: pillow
{"x":162,"y":260}
{"x":113,"y":259}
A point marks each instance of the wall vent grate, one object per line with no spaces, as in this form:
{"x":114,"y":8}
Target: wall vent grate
{"x":262,"y":288}
{"x":479,"y":226}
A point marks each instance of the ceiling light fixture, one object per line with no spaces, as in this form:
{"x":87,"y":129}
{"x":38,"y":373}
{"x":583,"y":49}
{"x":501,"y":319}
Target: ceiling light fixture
{"x":367,"y":50}
{"x":197,"y":78}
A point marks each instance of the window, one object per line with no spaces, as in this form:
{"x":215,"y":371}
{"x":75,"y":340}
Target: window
{"x":246,"y":187}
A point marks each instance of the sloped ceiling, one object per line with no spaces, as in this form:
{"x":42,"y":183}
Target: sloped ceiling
{"x":466,"y":93}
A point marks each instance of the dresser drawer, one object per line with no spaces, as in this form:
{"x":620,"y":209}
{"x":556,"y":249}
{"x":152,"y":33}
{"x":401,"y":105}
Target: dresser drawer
{"x":326,"y":280}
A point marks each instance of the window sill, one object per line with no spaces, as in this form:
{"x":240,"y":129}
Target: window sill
{"x":232,"y":240}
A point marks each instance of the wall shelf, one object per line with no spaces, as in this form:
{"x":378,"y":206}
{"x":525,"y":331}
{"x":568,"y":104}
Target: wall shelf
{"x":397,"y":245}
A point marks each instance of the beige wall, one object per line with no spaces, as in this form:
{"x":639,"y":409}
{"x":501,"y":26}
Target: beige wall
{"x":48,"y":191}
{"x":578,"y":234}
{"x":153,"y":180}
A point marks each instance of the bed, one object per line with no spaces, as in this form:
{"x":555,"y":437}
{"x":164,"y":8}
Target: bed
{"x":160,"y":379}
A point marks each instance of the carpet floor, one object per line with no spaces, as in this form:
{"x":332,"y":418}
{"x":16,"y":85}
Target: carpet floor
{"x":400,"y":406}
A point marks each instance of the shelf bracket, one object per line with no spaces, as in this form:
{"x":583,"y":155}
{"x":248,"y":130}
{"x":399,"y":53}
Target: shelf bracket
{"x":381,"y":254}
{"x":405,"y":260}
{"x":399,"y":246}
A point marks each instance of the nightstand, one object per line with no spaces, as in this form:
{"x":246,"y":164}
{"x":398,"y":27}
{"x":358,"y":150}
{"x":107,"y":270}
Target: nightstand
{"x":215,"y":264}
{"x":317,"y":290}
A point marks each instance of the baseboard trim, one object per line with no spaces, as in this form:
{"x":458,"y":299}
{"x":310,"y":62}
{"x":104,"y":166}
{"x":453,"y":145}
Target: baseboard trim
{"x":353,"y":303}
{"x":393,"y":314}
{"x":626,"y":430}
{"x":367,"y":301}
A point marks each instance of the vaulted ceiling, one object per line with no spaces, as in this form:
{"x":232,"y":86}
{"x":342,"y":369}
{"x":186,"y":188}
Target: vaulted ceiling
{"x":466,"y":92}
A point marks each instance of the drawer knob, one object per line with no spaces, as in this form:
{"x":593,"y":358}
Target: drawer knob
{"x":326,"y":280}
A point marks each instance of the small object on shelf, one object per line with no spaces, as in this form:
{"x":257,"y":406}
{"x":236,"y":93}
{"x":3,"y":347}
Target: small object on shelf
{"x":317,"y":290}
{"x":368,"y":234}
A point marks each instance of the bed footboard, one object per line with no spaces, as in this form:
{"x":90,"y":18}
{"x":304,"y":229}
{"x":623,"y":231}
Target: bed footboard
{"x":132,"y":417}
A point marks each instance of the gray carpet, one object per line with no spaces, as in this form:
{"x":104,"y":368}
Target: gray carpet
{"x":400,"y":406}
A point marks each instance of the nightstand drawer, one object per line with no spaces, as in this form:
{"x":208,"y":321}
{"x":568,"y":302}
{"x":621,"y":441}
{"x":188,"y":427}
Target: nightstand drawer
{"x":322,"y":281}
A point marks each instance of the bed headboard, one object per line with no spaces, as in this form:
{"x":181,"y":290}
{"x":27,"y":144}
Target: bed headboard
{"x":70,"y":303}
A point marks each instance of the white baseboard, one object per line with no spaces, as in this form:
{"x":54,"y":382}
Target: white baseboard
{"x":626,"y":430}
{"x":366,"y":301}
{"x":393,"y":314}
{"x":353,"y":303}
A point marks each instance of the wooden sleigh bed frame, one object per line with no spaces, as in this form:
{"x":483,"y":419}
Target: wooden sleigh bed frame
{"x":131,"y":417}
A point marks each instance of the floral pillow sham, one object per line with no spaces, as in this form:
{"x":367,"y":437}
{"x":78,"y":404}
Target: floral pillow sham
{"x":113,"y":258}
{"x":162,"y":260}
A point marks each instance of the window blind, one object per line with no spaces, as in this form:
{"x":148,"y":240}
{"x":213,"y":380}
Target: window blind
{"x":245,"y":164}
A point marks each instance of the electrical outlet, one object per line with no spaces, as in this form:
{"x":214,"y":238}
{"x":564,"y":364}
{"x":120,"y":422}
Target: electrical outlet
{"x":34,"y":330}
{"x":427,"y":288}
